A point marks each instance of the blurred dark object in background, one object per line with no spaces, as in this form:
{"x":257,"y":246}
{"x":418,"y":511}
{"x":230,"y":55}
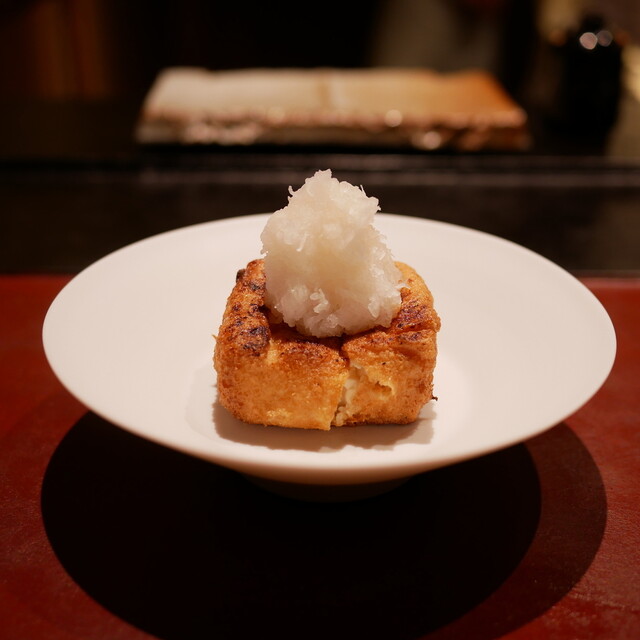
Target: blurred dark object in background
{"x":588,"y":63}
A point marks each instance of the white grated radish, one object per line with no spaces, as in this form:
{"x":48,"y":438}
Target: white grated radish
{"x":328,"y":270}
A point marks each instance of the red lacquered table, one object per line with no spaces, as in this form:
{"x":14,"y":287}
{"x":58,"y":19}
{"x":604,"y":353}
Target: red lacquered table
{"x":106,"y":536}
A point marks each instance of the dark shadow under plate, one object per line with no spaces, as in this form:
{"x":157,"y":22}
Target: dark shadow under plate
{"x":184,"y":549}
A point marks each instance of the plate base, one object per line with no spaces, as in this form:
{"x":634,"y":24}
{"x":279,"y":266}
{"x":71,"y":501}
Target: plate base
{"x":325,"y":493}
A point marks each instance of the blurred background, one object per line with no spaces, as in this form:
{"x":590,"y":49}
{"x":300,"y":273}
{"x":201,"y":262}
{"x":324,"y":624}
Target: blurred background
{"x":519,"y":531}
{"x":74,"y":75}
{"x":110,"y":51}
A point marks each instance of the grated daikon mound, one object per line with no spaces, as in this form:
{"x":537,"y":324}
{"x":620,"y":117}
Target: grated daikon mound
{"x":328,"y":270}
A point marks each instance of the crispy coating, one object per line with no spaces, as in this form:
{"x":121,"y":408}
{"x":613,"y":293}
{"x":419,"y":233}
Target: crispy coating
{"x":270,"y":374}
{"x":393,"y":368}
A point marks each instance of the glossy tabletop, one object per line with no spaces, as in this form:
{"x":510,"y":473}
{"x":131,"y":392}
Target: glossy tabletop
{"x":105,"y":535}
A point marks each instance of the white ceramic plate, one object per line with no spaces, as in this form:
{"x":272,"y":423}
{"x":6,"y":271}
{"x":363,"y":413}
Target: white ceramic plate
{"x":523,"y":345}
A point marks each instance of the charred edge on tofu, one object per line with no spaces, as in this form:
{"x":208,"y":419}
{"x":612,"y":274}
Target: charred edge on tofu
{"x":411,"y":320}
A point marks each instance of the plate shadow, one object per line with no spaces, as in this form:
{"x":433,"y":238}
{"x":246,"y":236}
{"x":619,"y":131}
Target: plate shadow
{"x":363,"y":436}
{"x":185,"y":549}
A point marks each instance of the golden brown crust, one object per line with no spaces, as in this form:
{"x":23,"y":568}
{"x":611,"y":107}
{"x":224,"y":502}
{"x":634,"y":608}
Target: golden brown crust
{"x":270,"y":374}
{"x":394,"y":367}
